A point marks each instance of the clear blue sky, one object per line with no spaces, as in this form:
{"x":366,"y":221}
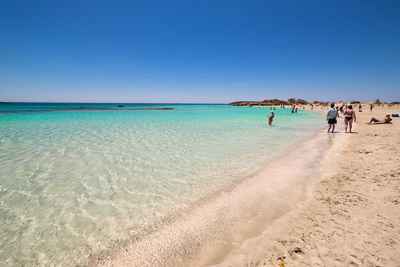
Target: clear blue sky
{"x":199,"y":51}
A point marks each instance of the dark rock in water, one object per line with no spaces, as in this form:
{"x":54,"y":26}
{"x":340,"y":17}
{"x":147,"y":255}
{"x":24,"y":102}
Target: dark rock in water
{"x":120,"y":106}
{"x":267,"y":102}
{"x":155,"y":108}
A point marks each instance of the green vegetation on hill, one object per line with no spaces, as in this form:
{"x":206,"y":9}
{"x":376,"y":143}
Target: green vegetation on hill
{"x":271,"y":102}
{"x":316,"y":102}
{"x":275,"y":102}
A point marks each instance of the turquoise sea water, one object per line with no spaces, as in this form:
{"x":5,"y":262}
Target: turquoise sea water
{"x":76,"y":182}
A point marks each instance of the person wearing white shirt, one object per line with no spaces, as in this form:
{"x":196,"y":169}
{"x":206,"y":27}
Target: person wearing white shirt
{"x":331,"y":117}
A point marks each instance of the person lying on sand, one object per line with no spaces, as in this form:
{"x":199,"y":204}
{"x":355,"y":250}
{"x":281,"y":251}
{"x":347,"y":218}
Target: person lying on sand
{"x":384,"y":121}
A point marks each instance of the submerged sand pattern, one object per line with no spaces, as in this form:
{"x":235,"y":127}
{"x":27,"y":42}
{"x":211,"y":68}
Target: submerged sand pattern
{"x":205,"y":235}
{"x":75,"y":185}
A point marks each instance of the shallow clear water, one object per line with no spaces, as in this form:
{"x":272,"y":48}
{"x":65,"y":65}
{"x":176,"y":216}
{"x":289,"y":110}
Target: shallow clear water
{"x":74,"y":183}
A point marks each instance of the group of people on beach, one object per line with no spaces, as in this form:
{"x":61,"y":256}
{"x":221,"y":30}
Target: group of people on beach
{"x":332,"y":115}
{"x":349,"y":117}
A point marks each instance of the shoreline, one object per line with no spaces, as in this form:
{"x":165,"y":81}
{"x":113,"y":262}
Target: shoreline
{"x":352,"y":214}
{"x":99,"y":242}
{"x":212,"y":230}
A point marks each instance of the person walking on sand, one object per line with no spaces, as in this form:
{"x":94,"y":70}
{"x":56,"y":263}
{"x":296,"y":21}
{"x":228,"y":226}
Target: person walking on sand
{"x":331,"y":117}
{"x":371,"y":107}
{"x":342,"y":108}
{"x":349,"y":116}
{"x":270,"y":118}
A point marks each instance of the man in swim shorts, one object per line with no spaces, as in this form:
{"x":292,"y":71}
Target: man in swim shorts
{"x":331,"y":117}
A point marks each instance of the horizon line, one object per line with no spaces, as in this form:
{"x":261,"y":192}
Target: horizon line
{"x":213,"y":103}
{"x":73,"y":102}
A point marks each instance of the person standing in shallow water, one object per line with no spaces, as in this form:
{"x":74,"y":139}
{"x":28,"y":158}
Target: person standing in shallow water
{"x":331,"y":117}
{"x":349,"y":117}
{"x":270,"y":118}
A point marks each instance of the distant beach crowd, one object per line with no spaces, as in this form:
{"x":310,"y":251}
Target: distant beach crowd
{"x":333,"y":114}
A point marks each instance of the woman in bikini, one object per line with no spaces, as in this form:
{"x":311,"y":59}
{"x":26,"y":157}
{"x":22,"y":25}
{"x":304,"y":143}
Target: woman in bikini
{"x":349,"y":116}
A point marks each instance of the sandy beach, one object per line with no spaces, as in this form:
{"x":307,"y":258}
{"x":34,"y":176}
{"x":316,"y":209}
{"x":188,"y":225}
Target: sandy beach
{"x":194,"y":133}
{"x":352,"y":214}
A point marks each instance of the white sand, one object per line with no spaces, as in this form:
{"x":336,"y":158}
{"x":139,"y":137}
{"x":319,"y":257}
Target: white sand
{"x":352,"y":217}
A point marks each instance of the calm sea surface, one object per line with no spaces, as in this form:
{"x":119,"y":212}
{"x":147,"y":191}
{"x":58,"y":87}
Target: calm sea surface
{"x":76,"y":180}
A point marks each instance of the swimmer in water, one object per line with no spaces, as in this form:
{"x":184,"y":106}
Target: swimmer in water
{"x":270,"y":118}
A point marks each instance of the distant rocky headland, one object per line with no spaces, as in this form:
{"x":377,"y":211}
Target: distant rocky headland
{"x":273,"y":102}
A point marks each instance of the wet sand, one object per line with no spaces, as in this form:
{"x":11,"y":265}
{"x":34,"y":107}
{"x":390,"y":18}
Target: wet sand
{"x":352,"y":214}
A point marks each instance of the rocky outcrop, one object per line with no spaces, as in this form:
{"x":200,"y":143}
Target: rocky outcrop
{"x":267,"y":102}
